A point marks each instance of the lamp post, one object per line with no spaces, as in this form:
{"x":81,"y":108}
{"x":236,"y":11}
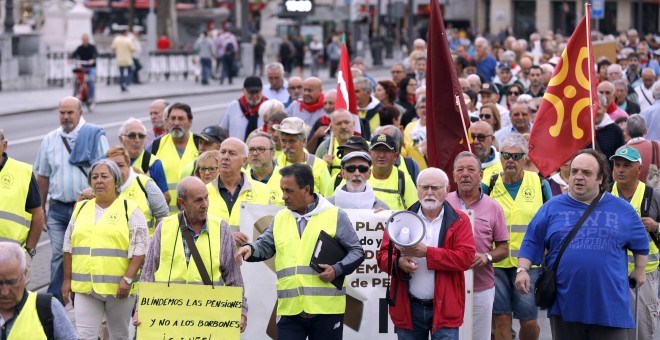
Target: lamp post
{"x":9,"y":16}
{"x":151,"y":27}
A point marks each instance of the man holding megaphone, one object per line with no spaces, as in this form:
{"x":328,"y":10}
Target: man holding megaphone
{"x":427,"y":282}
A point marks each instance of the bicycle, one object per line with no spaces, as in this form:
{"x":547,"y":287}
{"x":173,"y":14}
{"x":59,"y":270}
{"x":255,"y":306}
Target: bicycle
{"x":80,"y":86}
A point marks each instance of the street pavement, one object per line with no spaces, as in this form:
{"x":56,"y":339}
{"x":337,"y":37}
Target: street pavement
{"x":28,"y":115}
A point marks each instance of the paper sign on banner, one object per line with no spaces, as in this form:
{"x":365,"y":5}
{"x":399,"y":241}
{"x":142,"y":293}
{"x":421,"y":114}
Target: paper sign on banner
{"x":180,"y":311}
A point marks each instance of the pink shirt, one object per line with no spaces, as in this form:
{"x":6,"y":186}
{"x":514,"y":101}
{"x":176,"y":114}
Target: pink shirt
{"x":490,"y":226}
{"x":617,"y":114}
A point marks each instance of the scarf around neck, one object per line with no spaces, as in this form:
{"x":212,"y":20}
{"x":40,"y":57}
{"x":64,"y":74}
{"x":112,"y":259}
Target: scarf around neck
{"x":312,"y":107}
{"x":355,"y":200}
{"x":251,"y":113}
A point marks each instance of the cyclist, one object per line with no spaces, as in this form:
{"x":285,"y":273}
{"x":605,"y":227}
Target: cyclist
{"x":87,"y":53}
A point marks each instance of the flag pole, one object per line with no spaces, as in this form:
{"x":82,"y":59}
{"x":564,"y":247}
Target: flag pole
{"x":331,"y":146}
{"x":460,"y":109}
{"x":591,"y":66}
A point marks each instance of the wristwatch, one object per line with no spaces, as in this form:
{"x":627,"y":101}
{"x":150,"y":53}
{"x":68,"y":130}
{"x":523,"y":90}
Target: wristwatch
{"x":490,"y":257}
{"x":128,"y":280}
{"x":31,"y":251}
{"x":521,"y":269}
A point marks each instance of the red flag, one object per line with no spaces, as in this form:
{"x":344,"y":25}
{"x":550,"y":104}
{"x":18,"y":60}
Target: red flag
{"x":564,"y":121}
{"x":447,"y":120}
{"x":345,"y":91}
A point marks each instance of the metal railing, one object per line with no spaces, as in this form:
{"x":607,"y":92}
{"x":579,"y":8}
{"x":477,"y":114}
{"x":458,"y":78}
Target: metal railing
{"x":160,"y":66}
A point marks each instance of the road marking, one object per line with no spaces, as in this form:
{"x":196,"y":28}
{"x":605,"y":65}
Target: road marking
{"x":119,"y":123}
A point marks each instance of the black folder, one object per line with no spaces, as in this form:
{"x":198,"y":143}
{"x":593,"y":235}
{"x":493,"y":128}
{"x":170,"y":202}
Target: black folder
{"x":328,"y":251}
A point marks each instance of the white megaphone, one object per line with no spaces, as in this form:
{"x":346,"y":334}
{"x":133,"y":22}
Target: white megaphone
{"x":405,"y":229}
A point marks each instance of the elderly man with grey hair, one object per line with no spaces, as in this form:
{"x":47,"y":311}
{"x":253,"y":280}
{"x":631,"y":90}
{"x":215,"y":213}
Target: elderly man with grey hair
{"x":367,"y":106}
{"x":357,"y":193}
{"x":217,"y":243}
{"x":506,"y":188}
{"x":622,"y":100}
{"x":645,"y":89}
{"x":19,"y":307}
{"x":277,"y":85}
{"x":132,"y":135}
{"x":652,"y":115}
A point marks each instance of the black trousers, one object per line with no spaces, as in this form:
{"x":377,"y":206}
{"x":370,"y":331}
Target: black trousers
{"x":580,"y":331}
{"x":319,"y":327}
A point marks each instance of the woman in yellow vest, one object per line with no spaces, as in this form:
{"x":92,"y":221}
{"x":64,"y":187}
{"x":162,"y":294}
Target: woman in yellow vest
{"x":104,"y":247}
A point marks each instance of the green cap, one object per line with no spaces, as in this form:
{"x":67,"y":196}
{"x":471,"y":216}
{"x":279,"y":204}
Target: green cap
{"x":628,"y":153}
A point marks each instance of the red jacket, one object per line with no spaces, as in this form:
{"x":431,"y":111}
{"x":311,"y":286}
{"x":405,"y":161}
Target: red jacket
{"x":449,"y":263}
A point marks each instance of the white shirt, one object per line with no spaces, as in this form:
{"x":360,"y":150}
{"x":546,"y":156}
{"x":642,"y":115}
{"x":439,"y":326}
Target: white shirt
{"x":645,"y":97}
{"x":282,"y":95}
{"x":422,"y":282}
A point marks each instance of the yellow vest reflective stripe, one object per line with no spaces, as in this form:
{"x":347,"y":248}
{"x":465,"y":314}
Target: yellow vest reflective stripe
{"x":173,"y":267}
{"x":654,"y":254}
{"x":15,"y":180}
{"x":489,"y":171}
{"x":134,"y":193}
{"x":100,"y":249}
{"x":252,"y":192}
{"x":27,"y":324}
{"x":518,"y":213}
{"x":172,"y":164}
{"x":299,"y":288}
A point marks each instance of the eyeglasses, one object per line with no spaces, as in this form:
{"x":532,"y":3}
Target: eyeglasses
{"x":259,"y":149}
{"x":481,"y":137}
{"x":485,"y":116}
{"x":514,"y":93}
{"x":295,"y":87}
{"x":516,"y":156}
{"x":209,"y":169}
{"x":434,"y":188}
{"x":10,"y":283}
{"x":361,"y":168}
{"x":396,"y":72}
{"x":134,"y":135}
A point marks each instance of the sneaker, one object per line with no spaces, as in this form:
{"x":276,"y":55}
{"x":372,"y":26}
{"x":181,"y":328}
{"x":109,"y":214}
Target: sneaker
{"x":91,"y":106}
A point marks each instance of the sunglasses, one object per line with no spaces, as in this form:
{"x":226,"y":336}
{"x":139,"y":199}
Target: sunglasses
{"x":134,"y":135}
{"x":481,"y":137}
{"x":361,"y":168}
{"x":515,"y":93}
{"x":485,"y":116}
{"x":516,"y":156}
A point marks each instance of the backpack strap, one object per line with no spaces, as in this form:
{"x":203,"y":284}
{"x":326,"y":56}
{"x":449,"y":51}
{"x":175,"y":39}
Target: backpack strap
{"x":155,"y":145}
{"x":338,"y":180}
{"x":146,"y":159}
{"x":410,"y":165}
{"x":126,"y":210}
{"x":82,"y":206}
{"x":141,"y":187}
{"x":402,"y":187}
{"x":542,"y":179}
{"x":196,"y":139}
{"x":646,"y":201}
{"x":45,"y":314}
{"x":493,"y":180}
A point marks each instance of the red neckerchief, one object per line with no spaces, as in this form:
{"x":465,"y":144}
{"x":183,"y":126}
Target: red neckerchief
{"x":313,"y":107}
{"x":158,"y":132}
{"x":613,"y":107}
{"x":265,"y":127}
{"x":247,"y":111}
{"x":411,"y":99}
{"x":325,"y":121}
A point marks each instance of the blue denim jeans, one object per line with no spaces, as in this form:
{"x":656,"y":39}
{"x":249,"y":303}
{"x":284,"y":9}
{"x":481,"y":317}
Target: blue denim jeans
{"x":507,"y":298}
{"x":91,"y":84}
{"x":206,"y":68}
{"x":125,"y":76}
{"x":57,"y":221}
{"x":422,"y":318}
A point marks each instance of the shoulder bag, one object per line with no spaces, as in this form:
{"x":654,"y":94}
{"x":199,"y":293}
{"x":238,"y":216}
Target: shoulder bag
{"x":545,"y":289}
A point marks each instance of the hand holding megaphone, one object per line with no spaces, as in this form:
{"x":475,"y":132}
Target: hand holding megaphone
{"x":408,"y":264}
{"x":418,"y":250}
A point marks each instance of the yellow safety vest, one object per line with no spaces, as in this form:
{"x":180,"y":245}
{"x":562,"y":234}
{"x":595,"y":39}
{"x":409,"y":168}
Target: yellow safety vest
{"x":636,"y":202}
{"x":322,"y":180}
{"x":172,"y":164}
{"x":251,"y":192}
{"x":15,"y":180}
{"x":374,"y":122}
{"x":336,"y":161}
{"x":99,"y":254}
{"x":27,"y":324}
{"x":518,"y":213}
{"x":173,"y":267}
{"x":137,"y":163}
{"x":489,"y":171}
{"x":138,"y":195}
{"x":388,"y":189}
{"x":299,"y":289}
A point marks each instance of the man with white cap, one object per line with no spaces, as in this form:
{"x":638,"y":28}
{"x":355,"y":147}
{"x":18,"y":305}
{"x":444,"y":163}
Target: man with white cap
{"x":356,"y":193}
{"x":293,"y":136}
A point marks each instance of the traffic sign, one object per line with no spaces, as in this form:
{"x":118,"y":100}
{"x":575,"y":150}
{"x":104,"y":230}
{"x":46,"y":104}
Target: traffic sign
{"x":597,"y":9}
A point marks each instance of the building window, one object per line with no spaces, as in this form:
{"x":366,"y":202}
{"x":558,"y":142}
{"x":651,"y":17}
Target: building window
{"x":649,"y":17}
{"x":607,"y":25}
{"x":524,"y":13}
{"x":563,"y":17}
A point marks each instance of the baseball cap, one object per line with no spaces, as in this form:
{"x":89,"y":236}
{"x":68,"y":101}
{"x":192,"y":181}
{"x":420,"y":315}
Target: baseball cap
{"x":291,"y":126}
{"x":355,"y":143}
{"x":252,"y":84}
{"x":504,"y":67}
{"x":213,"y":133}
{"x":628,"y":153}
{"x":357,"y":154}
{"x":383,"y":139}
{"x":489,"y":88}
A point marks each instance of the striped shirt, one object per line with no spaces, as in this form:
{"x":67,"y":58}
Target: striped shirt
{"x":66,"y":180}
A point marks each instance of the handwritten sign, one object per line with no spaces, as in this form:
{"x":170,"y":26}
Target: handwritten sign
{"x":183,"y":312}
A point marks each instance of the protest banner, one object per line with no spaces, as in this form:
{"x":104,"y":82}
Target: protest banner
{"x":366,"y":308}
{"x":179,"y":311}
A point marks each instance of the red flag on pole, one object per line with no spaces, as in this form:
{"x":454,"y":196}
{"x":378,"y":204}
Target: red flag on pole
{"x":564,"y":122}
{"x":345,"y":91}
{"x":447,"y":120}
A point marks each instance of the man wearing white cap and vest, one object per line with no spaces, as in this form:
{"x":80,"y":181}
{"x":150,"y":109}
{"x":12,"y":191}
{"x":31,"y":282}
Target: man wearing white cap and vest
{"x":233,"y":187}
{"x":293,"y":136}
{"x":646,"y":201}
{"x":308,"y":304}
